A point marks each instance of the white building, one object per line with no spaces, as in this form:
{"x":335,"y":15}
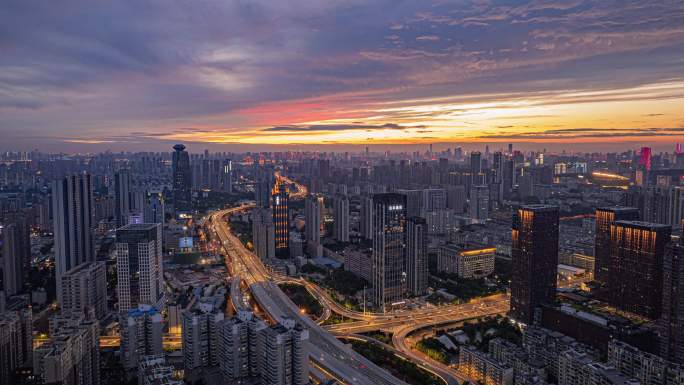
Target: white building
{"x":200,"y":332}
{"x":140,"y":275}
{"x":71,"y":356}
{"x":141,"y":332}
{"x":85,"y":288}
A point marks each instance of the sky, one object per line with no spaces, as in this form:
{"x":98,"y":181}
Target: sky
{"x":233,"y":75}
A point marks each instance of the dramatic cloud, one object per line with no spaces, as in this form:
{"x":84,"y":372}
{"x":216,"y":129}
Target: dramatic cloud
{"x":312,"y":71}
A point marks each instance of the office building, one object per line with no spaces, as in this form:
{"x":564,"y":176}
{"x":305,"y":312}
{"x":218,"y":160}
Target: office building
{"x":281,"y":219}
{"x":479,"y":203}
{"x":341,"y":218}
{"x":71,"y":356}
{"x":605,"y":217}
{"x":140,"y":275}
{"x":313,"y":213}
{"x":416,"y":255}
{"x":153,"y":370}
{"x":263,"y":233}
{"x":635,"y":282}
{"x":466,"y":263}
{"x":534,"y":252}
{"x":284,"y":356}
{"x":182,"y":179}
{"x":389,"y":250}
{"x":72,"y":210}
{"x":671,"y":321}
{"x":366,"y":217}
{"x":84,"y":290}
{"x":122,"y":197}
{"x":153,"y":211}
{"x":141,"y":331}
{"x":200,"y":332}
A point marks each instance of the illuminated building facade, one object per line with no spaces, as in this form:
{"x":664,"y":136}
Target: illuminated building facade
{"x":605,"y":217}
{"x":280,"y":197}
{"x":389,"y":250}
{"x":468,"y":263}
{"x":672,"y":318}
{"x":534,"y":251}
{"x":635,"y":282}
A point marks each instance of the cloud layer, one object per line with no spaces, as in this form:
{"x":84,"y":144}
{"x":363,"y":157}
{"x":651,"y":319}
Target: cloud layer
{"x":349,"y":71}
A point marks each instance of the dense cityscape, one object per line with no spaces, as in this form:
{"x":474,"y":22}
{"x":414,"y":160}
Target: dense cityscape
{"x":342,"y":192}
{"x":445,"y":266}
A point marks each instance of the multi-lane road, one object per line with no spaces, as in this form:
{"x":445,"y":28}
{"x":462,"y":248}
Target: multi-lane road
{"x":327,"y":353}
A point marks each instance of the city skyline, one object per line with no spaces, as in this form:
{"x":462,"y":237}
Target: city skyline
{"x":262,"y":76}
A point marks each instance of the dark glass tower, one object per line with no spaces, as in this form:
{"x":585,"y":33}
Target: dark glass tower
{"x":672,"y":318}
{"x":389,"y":250}
{"x":535,"y":260}
{"x":635,"y":282}
{"x":182,"y":179}
{"x":606,"y":216}
{"x":281,"y":222}
{"x":416,"y":255}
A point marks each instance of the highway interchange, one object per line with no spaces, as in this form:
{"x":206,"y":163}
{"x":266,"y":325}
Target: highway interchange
{"x":327,"y":354}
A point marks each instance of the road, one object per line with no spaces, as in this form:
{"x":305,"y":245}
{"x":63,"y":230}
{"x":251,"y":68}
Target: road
{"x":325,"y":351}
{"x":495,"y":304}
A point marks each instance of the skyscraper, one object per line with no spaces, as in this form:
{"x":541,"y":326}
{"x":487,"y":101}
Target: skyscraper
{"x":312,"y":213}
{"x":140,"y":276}
{"x":389,"y":252}
{"x":141,"y":330}
{"x":201,"y":338}
{"x":16,"y":247}
{"x":153,"y":211}
{"x":122,"y":197}
{"x":416,"y":255}
{"x":672,"y":319}
{"x":476,"y":168}
{"x":479,"y":203}
{"x":366,"y":217}
{"x":227,"y":176}
{"x":605,"y":217}
{"x":635,"y":281}
{"x":263,"y":233}
{"x":341,"y":218}
{"x":534,"y":251}
{"x":72,"y":205}
{"x":281,"y":219}
{"x":182,"y":179}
